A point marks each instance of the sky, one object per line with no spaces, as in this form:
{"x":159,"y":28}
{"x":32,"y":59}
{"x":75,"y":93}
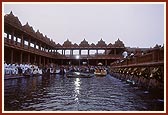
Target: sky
{"x":137,"y":25}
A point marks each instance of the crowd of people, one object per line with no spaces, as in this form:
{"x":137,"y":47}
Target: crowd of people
{"x":21,"y":69}
{"x":34,"y":69}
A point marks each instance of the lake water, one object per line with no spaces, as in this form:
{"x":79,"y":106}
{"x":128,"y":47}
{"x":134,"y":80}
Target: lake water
{"x":59,"y":93}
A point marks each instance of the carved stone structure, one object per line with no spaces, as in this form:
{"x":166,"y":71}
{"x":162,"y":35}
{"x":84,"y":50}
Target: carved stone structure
{"x":145,"y":70}
{"x":23,"y":45}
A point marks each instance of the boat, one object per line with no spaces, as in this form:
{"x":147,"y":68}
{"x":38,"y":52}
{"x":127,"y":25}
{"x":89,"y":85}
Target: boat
{"x":100,"y":73}
{"x":79,"y":75}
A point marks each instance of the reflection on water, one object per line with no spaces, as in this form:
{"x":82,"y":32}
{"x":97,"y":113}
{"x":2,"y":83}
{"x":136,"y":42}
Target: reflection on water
{"x":77,"y":87}
{"x":59,"y":93}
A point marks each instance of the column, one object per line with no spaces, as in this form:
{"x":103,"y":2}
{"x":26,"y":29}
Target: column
{"x":7,"y":35}
{"x":62,"y":52}
{"x":79,"y":51}
{"x":88,"y":52}
{"x":97,"y":51}
{"x":115,"y":51}
{"x":105,"y":51}
{"x":72,"y":51}
{"x":16,"y":42}
{"x":61,"y":62}
{"x":29,"y":43}
{"x":21,"y":57}
{"x":96,"y":62}
{"x":28,"y":58}
{"x":47,"y":60}
{"x":106,"y":62}
{"x":39,"y":60}
{"x":35,"y":45}
{"x":55,"y":51}
{"x":40,"y":47}
{"x":12,"y":36}
{"x":11,"y":56}
{"x":44,"y":61}
{"x":22,"y":41}
{"x":34,"y":58}
{"x":43,"y":49}
{"x":48,"y":49}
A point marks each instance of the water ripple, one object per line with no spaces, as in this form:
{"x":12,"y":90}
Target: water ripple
{"x":57,"y":93}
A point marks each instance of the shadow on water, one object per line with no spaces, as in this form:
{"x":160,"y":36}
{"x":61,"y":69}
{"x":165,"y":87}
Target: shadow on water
{"x":59,"y":93}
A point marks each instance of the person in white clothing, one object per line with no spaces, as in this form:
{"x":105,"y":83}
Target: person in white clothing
{"x":125,"y":54}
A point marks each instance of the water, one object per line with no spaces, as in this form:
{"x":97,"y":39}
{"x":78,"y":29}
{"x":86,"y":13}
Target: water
{"x":59,"y":93}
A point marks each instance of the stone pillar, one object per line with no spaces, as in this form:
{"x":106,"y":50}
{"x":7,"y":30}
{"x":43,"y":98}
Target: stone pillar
{"x":97,"y":51}
{"x":16,"y":41}
{"x":39,"y":60}
{"x":28,"y":58}
{"x":56,"y":52}
{"x":44,"y":49}
{"x":61,"y":62}
{"x":96,"y":62}
{"x":72,"y":52}
{"x":7,"y":35}
{"x":115,"y":52}
{"x":105,"y":62}
{"x":21,"y":57}
{"x":35,"y":45}
{"x":22,"y":41}
{"x":44,"y":61}
{"x":88,"y":61}
{"x":34,"y":58}
{"x":105,"y":51}
{"x":29,"y":43}
{"x":47,"y":60}
{"x":12,"y":37}
{"x":48,"y":49}
{"x":40,"y":46}
{"x":62,"y":52}
{"x":11,"y":56}
{"x":79,"y":51}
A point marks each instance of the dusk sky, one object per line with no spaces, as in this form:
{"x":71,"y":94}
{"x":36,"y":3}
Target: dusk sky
{"x":137,"y":25}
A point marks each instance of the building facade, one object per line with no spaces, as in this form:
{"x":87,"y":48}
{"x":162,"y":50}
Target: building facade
{"x":23,"y":45}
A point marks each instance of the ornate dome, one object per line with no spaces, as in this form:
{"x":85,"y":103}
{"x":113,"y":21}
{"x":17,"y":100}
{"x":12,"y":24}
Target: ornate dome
{"x":101,"y":43}
{"x":28,"y":28}
{"x":119,"y":43}
{"x":110,"y":45}
{"x":13,"y":20}
{"x":92,"y":45}
{"x":75,"y":45}
{"x":84,"y":43}
{"x":40,"y":35}
{"x":67,"y":43}
{"x":58,"y":45}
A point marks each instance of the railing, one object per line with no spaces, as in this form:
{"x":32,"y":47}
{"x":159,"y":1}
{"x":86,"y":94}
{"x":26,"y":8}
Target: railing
{"x":26,"y":48}
{"x":154,"y":56}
